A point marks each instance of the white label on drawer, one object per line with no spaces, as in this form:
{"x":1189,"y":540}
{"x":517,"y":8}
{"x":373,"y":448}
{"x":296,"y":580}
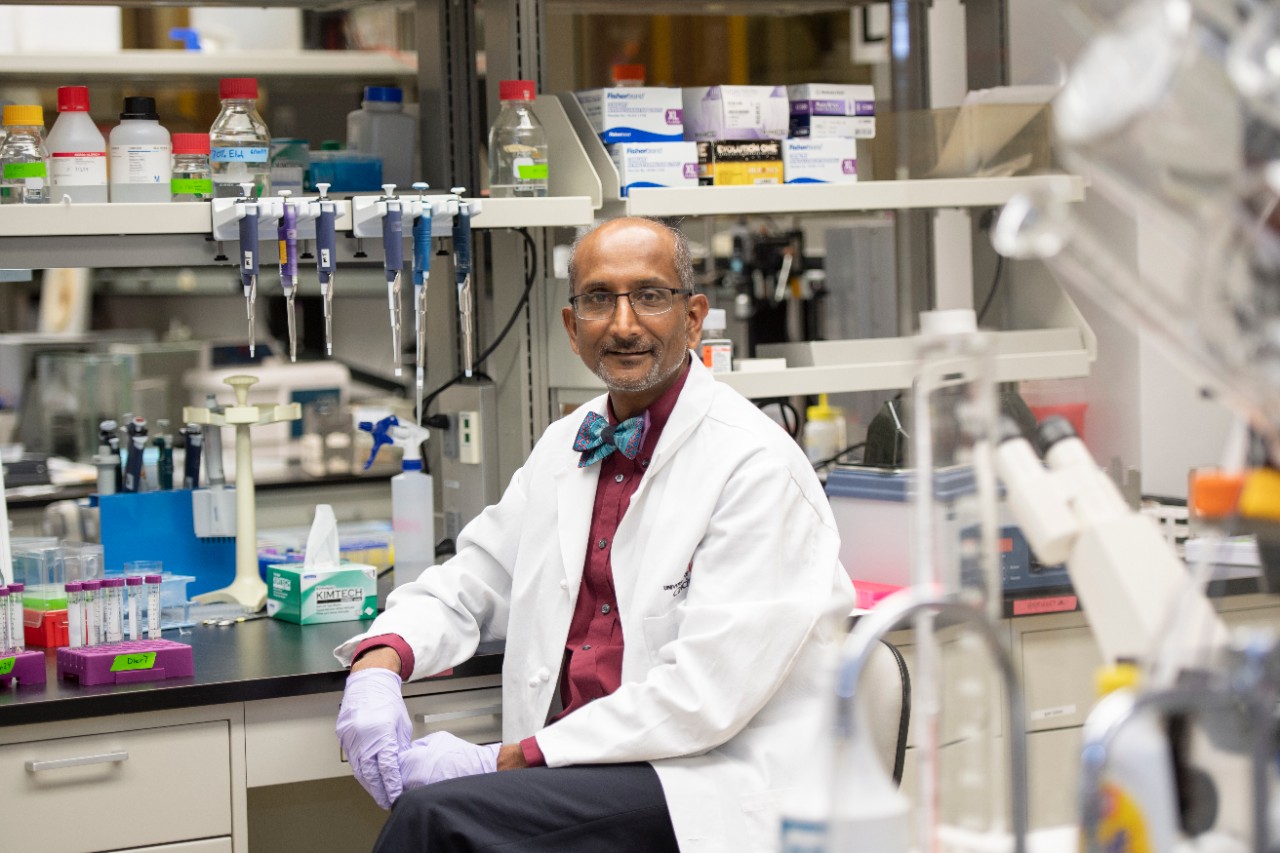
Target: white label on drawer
{"x":1050,"y":713}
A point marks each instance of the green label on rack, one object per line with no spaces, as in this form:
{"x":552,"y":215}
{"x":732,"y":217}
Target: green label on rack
{"x":191,"y":186}
{"x":6,"y":665}
{"x":532,"y":172}
{"x":137,"y":660}
{"x":14,"y":171}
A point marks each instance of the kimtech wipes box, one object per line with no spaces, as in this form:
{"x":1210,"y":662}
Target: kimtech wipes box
{"x":655,"y":164}
{"x":832,"y":109}
{"x":735,"y":112}
{"x":820,"y":161}
{"x":634,"y":113}
{"x":341,"y":593}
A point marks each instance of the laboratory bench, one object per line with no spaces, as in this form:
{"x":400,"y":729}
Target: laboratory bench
{"x":244,"y":747}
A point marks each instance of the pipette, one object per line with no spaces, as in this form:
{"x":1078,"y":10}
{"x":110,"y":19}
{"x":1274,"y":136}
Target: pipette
{"x":326,"y":259}
{"x":393,"y":263}
{"x":462,"y":275}
{"x":249,"y":254}
{"x":421,"y":273}
{"x":164,"y":444}
{"x":137,"y":430}
{"x":287,"y":237}
{"x":108,"y":437}
{"x":194,"y":435}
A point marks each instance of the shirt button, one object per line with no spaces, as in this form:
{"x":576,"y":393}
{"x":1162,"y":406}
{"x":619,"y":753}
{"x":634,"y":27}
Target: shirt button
{"x":586,"y":648}
{"x":644,"y":463}
{"x":618,"y":478}
{"x":604,"y":608}
{"x":602,"y":544}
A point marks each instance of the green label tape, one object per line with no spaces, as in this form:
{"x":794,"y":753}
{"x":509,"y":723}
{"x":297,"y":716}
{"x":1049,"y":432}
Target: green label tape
{"x":191,"y":186}
{"x":14,"y":171}
{"x":6,"y":665}
{"x":533,"y":172}
{"x":137,"y":660}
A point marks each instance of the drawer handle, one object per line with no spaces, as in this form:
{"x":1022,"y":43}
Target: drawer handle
{"x":446,"y":716}
{"x":60,"y":763}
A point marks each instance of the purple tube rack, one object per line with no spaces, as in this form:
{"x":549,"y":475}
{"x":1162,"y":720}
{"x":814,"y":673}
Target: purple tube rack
{"x":126,"y":663}
{"x":26,"y":667}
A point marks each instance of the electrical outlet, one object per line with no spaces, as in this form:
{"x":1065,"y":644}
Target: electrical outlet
{"x":469,"y":438}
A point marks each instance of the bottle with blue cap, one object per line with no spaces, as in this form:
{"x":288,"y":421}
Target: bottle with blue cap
{"x":381,"y":127}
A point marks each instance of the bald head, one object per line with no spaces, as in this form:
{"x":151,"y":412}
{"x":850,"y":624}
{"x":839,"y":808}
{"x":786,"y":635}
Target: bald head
{"x":618,"y":234}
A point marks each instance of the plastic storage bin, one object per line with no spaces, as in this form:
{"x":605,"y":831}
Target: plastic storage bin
{"x":346,"y":171}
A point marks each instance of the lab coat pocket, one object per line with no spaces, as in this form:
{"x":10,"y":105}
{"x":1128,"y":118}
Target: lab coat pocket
{"x":762,"y":810}
{"x":659,"y":631}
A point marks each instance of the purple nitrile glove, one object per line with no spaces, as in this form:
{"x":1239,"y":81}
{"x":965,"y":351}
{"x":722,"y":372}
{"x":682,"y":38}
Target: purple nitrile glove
{"x":374,"y":728}
{"x":441,"y":756}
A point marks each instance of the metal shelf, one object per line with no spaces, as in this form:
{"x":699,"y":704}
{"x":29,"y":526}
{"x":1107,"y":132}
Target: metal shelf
{"x":169,"y":64}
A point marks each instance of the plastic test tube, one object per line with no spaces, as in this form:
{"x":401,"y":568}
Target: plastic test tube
{"x":113,"y":609}
{"x":17,"y":631}
{"x":5,"y":642}
{"x":133,"y":585}
{"x":153,"y":606}
{"x":75,"y":614}
{"x":92,"y":604}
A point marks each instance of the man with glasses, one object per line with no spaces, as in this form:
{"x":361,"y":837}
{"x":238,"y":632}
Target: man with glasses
{"x":664,"y":572}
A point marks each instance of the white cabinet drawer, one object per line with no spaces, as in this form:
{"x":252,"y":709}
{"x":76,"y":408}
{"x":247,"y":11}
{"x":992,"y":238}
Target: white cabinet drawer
{"x":118,"y":790}
{"x":293,"y":739}
{"x":204,"y":845}
{"x":1058,"y":670}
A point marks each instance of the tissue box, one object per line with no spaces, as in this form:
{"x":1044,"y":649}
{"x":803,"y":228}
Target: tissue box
{"x":655,"y":164}
{"x":735,"y":112}
{"x":341,"y":593}
{"x":634,"y":114}
{"x":740,"y":163}
{"x":820,"y":161}
{"x":831,"y":109}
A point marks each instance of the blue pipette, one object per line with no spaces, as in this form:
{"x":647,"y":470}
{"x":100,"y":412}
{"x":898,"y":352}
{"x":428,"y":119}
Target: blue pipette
{"x":326,"y":259}
{"x":249,"y":254}
{"x":393,"y":264}
{"x":421,"y":273}
{"x":462,"y":275}
{"x":287,"y":237}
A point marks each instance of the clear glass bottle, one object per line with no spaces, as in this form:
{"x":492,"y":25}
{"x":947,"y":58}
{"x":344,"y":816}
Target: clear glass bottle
{"x":240,"y":145}
{"x":717,"y":349}
{"x":24,"y":160}
{"x":192,"y":176}
{"x":628,"y":75}
{"x":517,"y":145}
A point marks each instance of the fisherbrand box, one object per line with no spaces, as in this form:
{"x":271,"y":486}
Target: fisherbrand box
{"x":655,"y":164}
{"x":820,"y":161}
{"x":634,"y":114}
{"x":831,"y":109}
{"x":340,"y":593}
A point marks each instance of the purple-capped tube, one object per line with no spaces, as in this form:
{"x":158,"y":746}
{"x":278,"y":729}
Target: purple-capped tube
{"x":17,"y":631}
{"x":93,"y":613}
{"x":6,"y":642}
{"x":153,"y":606}
{"x":113,"y":609}
{"x":75,"y":614}
{"x":133,"y":586}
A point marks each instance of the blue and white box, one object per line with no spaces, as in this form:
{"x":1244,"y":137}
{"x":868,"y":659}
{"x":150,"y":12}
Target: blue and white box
{"x":832,"y":109}
{"x":634,"y":113}
{"x":820,"y":161}
{"x":655,"y":164}
{"x":716,"y":113}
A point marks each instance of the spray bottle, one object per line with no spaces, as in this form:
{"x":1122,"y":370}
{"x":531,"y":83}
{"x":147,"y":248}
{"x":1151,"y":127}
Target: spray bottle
{"x":412,"y":498}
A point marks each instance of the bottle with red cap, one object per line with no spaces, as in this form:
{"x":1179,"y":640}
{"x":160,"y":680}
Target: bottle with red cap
{"x":77,"y":150}
{"x":517,"y":145}
{"x":239,"y":143}
{"x":192,"y":177}
{"x":628,"y":75}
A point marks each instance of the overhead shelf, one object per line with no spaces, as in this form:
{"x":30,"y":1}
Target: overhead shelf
{"x":180,"y":63}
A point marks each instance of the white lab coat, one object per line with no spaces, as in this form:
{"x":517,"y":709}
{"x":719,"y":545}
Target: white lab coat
{"x":730,"y":593}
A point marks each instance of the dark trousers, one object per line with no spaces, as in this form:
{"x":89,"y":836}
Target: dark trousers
{"x":604,"y":808}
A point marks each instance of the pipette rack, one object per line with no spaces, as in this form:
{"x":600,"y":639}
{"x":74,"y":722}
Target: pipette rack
{"x":25,"y":667}
{"x":128,"y":662}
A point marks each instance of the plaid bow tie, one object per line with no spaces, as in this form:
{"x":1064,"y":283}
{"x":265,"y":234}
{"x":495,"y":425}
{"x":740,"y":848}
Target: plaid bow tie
{"x":597,"y":438}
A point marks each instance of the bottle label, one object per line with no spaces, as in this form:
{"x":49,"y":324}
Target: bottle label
{"x":78,"y":168}
{"x":191,"y":186}
{"x":23,"y":171}
{"x":718,"y":357}
{"x":140,"y":164}
{"x":1123,"y":825}
{"x":240,"y":154}
{"x":527,"y":170}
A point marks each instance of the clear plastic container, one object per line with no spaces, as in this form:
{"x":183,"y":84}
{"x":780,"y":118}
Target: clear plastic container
{"x":192,"y":177}
{"x":141,"y":154}
{"x":77,"y":150}
{"x":517,"y":145}
{"x":382,"y":127}
{"x":24,"y":159}
{"x":717,"y":350}
{"x":346,"y":171}
{"x":240,"y":145}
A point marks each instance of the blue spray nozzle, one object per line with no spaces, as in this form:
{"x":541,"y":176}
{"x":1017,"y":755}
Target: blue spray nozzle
{"x":190,"y":38}
{"x":381,"y":432}
{"x":390,"y":430}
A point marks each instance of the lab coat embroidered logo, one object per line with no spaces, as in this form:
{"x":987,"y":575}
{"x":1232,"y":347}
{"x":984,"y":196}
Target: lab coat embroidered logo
{"x":681,"y":585}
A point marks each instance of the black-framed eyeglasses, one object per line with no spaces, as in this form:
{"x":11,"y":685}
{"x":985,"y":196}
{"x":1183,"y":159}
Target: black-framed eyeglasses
{"x":645,"y":301}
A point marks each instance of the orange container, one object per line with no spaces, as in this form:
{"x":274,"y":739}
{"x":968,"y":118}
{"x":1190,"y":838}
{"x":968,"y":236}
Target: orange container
{"x":45,"y":629}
